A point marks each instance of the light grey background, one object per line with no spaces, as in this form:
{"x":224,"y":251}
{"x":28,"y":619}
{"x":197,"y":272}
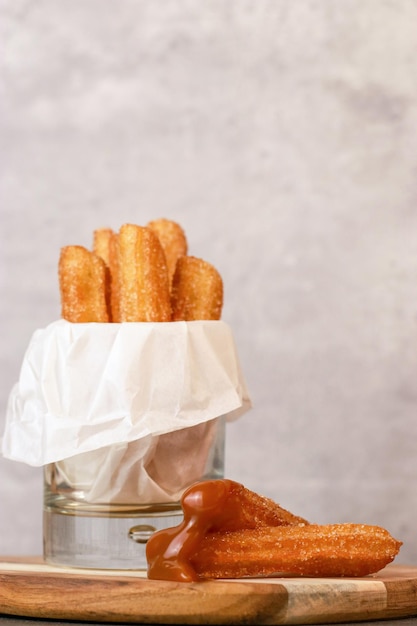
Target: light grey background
{"x":282,"y":136}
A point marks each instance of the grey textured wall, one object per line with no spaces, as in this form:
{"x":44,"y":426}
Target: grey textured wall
{"x":282,"y":136}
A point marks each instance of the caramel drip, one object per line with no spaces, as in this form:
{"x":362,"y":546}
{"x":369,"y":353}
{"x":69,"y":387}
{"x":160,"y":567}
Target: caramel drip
{"x":207,"y":506}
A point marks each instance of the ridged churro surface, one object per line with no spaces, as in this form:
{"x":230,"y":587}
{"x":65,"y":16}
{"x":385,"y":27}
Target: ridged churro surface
{"x":251,"y":510}
{"x":114,"y":278}
{"x":101,"y":243}
{"x":229,"y":531}
{"x":83,"y":285}
{"x":310,"y":550}
{"x":143,"y":276}
{"x":197,"y":290}
{"x":101,"y":246}
{"x":173,"y":241}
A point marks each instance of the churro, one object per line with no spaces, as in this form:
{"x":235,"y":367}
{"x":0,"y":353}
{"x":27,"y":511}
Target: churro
{"x":173,"y":241}
{"x":230,"y":532}
{"x":240,"y":507}
{"x":197,"y":290}
{"x":310,"y":550}
{"x":101,"y":243}
{"x":101,"y":246}
{"x":219,"y":506}
{"x":114,"y":278}
{"x":83,"y":285}
{"x":143,"y":276}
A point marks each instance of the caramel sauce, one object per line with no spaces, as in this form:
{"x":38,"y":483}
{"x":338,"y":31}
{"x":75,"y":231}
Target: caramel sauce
{"x":207,"y":506}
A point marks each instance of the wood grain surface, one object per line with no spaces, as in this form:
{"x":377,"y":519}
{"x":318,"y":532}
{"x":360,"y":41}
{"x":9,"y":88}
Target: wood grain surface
{"x":31,"y":588}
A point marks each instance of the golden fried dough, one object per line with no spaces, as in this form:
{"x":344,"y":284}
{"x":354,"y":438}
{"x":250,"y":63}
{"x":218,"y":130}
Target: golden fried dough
{"x":83,"y":285}
{"x":311,"y":550}
{"x":105,"y":245}
{"x":210,"y":506}
{"x":101,"y":243}
{"x":197,"y":291}
{"x":150,"y":278}
{"x":101,"y":246}
{"x":229,"y":531}
{"x":250,"y":510}
{"x":114,"y":278}
{"x":143,"y":276}
{"x":173,"y":241}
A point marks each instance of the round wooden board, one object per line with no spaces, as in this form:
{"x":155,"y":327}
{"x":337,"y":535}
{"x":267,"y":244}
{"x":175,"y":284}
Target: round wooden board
{"x":31,"y":588}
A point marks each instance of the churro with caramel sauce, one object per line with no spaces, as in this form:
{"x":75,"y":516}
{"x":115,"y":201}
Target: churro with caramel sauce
{"x":230,"y":532}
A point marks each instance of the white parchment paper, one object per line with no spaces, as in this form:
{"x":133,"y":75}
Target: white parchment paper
{"x":147,"y":471}
{"x":99,"y":387}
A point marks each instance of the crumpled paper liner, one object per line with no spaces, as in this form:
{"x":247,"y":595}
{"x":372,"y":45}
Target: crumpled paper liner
{"x":147,"y":471}
{"x":116,"y":401}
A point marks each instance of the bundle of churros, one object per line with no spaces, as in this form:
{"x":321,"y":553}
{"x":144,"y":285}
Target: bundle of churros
{"x":138,"y":274}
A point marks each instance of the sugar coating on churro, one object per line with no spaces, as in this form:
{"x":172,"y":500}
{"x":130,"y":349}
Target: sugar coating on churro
{"x":173,"y":242}
{"x":310,"y":550}
{"x":143,"y":276}
{"x":148,"y":277}
{"x":197,"y":290}
{"x":83,"y":285}
{"x":229,"y":531}
{"x":101,"y":243}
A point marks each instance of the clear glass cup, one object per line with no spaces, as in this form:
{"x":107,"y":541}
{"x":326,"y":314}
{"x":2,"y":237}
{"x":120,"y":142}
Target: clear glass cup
{"x":98,"y":514}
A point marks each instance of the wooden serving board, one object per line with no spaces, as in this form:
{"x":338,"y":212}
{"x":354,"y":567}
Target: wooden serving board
{"x":31,"y":588}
